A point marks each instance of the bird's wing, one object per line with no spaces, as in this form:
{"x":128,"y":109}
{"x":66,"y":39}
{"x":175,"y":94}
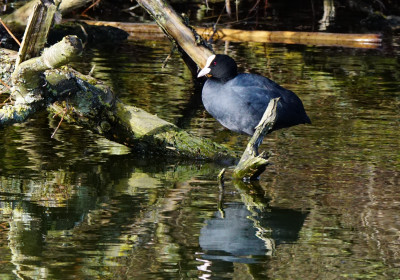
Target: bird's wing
{"x":245,"y":107}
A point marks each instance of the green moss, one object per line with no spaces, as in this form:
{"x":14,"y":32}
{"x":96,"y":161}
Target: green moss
{"x":17,"y":113}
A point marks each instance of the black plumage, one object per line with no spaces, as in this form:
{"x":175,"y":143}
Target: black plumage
{"x":238,"y":100}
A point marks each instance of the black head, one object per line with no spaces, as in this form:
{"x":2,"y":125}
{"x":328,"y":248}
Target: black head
{"x":220,"y":66}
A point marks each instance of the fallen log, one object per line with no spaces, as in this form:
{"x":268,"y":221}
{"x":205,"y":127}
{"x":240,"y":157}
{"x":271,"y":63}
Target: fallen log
{"x":90,"y":104}
{"x":294,"y":37}
{"x":151,"y":31}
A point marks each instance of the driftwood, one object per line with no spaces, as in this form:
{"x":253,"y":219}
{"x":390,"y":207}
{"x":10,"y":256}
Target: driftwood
{"x":27,"y":77}
{"x":293,"y":37}
{"x":28,"y":92}
{"x":151,"y":31}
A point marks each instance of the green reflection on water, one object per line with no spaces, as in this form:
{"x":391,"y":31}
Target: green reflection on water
{"x":76,"y":206}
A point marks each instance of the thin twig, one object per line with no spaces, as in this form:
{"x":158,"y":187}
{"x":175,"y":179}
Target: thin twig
{"x":131,"y":8}
{"x":168,"y":57}
{"x":215,"y":25}
{"x":88,"y":8}
{"x":4,"y":84}
{"x":5,"y":101}
{"x":220,"y":178}
{"x":9,"y":32}
{"x":91,"y":70}
{"x":58,"y":126}
{"x":254,"y":7}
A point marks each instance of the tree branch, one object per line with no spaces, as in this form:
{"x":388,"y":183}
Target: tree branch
{"x":251,"y":164}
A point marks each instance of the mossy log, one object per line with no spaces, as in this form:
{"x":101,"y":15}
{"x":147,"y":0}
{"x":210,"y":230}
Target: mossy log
{"x":88,"y":102}
{"x":92,"y":105}
{"x":28,"y":93}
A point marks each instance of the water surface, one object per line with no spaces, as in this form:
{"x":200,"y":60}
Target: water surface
{"x":80,"y":207}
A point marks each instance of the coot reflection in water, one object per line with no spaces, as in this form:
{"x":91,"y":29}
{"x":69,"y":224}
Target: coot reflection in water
{"x":245,"y":237}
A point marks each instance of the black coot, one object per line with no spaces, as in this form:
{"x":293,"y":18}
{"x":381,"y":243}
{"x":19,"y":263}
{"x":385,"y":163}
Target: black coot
{"x":238,"y":101}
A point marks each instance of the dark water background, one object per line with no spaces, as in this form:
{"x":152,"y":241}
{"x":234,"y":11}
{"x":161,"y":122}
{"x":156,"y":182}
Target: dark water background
{"x":80,"y":207}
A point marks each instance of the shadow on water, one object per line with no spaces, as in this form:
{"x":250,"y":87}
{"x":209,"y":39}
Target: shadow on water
{"x":78,"y":206}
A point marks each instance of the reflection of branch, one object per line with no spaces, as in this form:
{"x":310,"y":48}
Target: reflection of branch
{"x":221,"y":193}
{"x":253,"y":196}
{"x":261,"y":232}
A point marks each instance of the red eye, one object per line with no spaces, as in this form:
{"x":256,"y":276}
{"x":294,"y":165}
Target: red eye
{"x":215,"y":63}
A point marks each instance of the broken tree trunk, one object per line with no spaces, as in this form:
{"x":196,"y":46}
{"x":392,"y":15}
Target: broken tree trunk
{"x":28,"y":84}
{"x":252,"y":164}
{"x":37,"y":29}
{"x":28,"y":92}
